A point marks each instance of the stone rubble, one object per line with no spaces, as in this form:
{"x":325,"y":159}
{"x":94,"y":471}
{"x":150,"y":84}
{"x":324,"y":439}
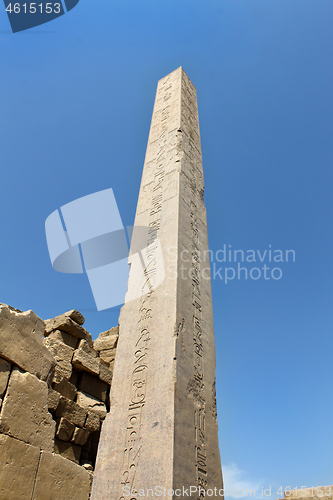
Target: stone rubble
{"x":54,"y":395}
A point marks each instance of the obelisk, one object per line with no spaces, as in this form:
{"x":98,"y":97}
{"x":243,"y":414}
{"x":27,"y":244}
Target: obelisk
{"x":161,"y":433}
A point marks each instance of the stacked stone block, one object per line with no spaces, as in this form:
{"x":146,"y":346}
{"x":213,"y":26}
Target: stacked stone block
{"x":80,"y":387}
{"x":54,"y":393}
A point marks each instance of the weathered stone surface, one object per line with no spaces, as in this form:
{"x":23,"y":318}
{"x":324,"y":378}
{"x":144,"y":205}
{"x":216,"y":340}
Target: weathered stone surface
{"x":84,"y":346}
{"x":107,"y":340}
{"x":80,"y":436}
{"x":67,"y":325}
{"x":105,"y":373}
{"x":53,"y":399}
{"x":18,"y":467}
{"x":91,"y":476}
{"x":13,"y":308}
{"x":71,"y":411}
{"x":87,"y":466}
{"x":91,"y":403}
{"x":64,"y":337}
{"x":108,"y":355}
{"x":62,"y":371}
{"x":65,"y":429}
{"x":162,"y":399}
{"x":60,"y":350}
{"x":63,"y":355}
{"x":93,"y":386}
{"x":93,"y":421}
{"x":66,"y":389}
{"x":24,"y":413}
{"x":75,"y":316}
{"x":58,"y":479}
{"x":67,"y":450}
{"x":83,"y":361}
{"x":21,"y":341}
{"x":5,"y":367}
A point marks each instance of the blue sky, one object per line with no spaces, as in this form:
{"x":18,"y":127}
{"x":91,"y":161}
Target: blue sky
{"x":77,"y":97}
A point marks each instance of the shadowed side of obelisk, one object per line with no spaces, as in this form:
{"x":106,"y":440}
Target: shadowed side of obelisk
{"x":196,"y":439}
{"x":161,"y":431}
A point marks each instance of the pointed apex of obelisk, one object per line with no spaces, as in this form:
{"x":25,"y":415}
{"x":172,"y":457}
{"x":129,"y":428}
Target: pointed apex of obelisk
{"x":178,"y":73}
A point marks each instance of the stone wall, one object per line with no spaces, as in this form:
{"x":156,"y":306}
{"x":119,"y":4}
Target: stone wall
{"x":54,"y":394}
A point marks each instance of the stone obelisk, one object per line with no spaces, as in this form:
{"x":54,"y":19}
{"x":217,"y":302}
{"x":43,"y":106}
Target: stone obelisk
{"x":161,"y":432}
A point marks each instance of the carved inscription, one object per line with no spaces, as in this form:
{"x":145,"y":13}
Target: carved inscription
{"x":197,"y":388}
{"x":133,"y":448}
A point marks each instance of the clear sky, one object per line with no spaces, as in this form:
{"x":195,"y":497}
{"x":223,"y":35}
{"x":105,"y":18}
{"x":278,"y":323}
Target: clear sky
{"x":76,"y":102}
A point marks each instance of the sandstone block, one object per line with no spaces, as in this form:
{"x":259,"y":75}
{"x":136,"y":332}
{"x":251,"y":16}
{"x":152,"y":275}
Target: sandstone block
{"x":67,"y":325}
{"x":53,"y":399}
{"x":76,"y":316}
{"x":91,"y":403}
{"x":61,"y":371}
{"x":21,"y":336}
{"x":59,"y":479}
{"x":64,"y":337}
{"x":80,"y":436}
{"x":63,"y":355}
{"x":24,"y":413}
{"x":66,"y":389}
{"x":67,"y":450}
{"x":108,"y":355}
{"x":93,"y":421}
{"x":93,"y":386}
{"x":105,"y":374}
{"x":84,"y":346}
{"x":107,"y":340}
{"x":65,"y":429}
{"x":71,"y":411}
{"x":91,"y":476}
{"x":83,"y":361}
{"x":19,"y":463}
{"x":60,"y":351}
{"x":87,"y":465}
{"x":5,"y":367}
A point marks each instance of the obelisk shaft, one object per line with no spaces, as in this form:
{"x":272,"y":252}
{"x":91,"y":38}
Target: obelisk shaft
{"x":161,"y":432}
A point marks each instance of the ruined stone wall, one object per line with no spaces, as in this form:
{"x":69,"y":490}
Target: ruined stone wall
{"x":54,"y":394}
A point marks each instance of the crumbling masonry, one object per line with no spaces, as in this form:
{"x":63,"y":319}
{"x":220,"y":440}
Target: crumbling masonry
{"x":54,"y":394}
